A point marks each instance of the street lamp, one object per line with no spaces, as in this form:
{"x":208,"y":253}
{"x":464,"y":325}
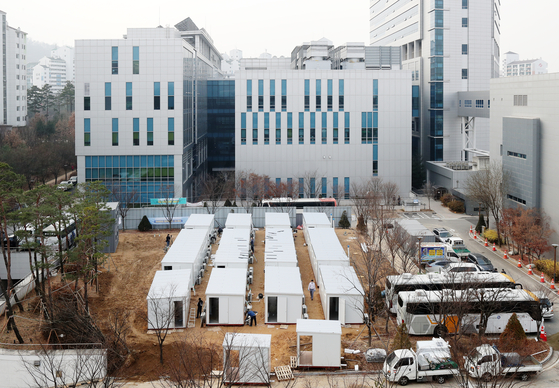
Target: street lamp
{"x":554,"y":262}
{"x":419,"y":253}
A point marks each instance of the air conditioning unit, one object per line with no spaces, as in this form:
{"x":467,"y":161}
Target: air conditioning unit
{"x":204,"y":266}
{"x":251,"y":271}
{"x":250,"y":279}
{"x":304,"y":299}
{"x":199,"y":280}
{"x":305,"y":316}
{"x":201,"y":273}
{"x":251,"y":259}
{"x":249,"y":297}
{"x":304,"y":309}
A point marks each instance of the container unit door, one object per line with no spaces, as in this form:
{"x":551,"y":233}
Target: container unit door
{"x":342,"y":311}
{"x":282,"y":309}
{"x":272,"y":309}
{"x":224,"y":311}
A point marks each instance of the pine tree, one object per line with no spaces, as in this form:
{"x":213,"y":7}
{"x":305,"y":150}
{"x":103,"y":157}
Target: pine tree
{"x":227,"y":203}
{"x":480,"y":223}
{"x":145,"y":225}
{"x":514,"y":336}
{"x":344,"y":222}
{"x":402,"y":338}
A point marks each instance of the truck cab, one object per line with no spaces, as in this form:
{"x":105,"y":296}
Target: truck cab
{"x":485,"y":362}
{"x":400,"y":366}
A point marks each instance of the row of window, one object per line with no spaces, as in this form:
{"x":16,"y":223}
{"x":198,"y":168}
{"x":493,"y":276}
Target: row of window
{"x":135,"y":132}
{"x":479,"y":103}
{"x":516,"y":199}
{"x":313,"y":187}
{"x":516,"y":154}
{"x":156,"y":96}
{"x":301,"y":126}
{"x":135,"y":60}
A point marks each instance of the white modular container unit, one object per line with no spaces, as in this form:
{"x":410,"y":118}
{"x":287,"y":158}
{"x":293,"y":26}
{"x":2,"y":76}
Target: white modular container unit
{"x":168,"y":299}
{"x":253,"y":365}
{"x":324,"y":249}
{"x":277,"y":220}
{"x":283,"y":293}
{"x":280,"y":248}
{"x":187,"y":252}
{"x":238,"y":221}
{"x":341,"y":294}
{"x":326,"y":343}
{"x":225,"y":297}
{"x":233,"y":251}
{"x":315,"y":220}
{"x":200,"y":221}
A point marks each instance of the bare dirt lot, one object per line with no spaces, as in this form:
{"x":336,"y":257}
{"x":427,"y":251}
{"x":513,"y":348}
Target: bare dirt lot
{"x":125,"y":281}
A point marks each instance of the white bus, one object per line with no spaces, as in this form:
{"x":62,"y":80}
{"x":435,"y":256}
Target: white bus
{"x":440,"y":281}
{"x":438,"y":312}
{"x":67,"y":235}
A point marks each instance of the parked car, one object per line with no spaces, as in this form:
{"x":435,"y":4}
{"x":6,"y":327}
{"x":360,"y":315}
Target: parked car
{"x":65,"y":185}
{"x":481,"y":261}
{"x":436,"y":265}
{"x":461,"y":267}
{"x":441,"y":234}
{"x":545,"y":304}
{"x":73,"y":180}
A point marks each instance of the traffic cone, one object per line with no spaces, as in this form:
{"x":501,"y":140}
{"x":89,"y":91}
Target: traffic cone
{"x":552,"y":286}
{"x":475,"y":235}
{"x":519,"y":264}
{"x":505,"y":255}
{"x":530,"y":269}
{"x":486,"y":245}
{"x":470,"y":229}
{"x":494,"y":249}
{"x":543,"y":334}
{"x":542,"y":279}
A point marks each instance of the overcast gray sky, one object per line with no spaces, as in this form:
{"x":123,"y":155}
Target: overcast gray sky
{"x":255,"y":26}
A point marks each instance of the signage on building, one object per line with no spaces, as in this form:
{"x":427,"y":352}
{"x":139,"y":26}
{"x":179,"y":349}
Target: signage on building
{"x":171,"y":201}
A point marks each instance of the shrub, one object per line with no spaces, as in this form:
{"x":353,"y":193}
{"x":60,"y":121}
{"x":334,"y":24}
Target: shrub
{"x":227,"y":203}
{"x":361,"y":226}
{"x":344,"y":222}
{"x":545,"y":266}
{"x":514,"y":336}
{"x":456,"y":206}
{"x":446,"y":198}
{"x":402,"y":338}
{"x":145,"y":225}
{"x":480,"y":223}
{"x":490,"y":235}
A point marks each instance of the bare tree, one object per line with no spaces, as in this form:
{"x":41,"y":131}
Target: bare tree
{"x":161,"y":314}
{"x":429,"y":192}
{"x":216,"y":188}
{"x":489,"y":187}
{"x":169,"y":203}
{"x":312,"y":184}
{"x":125,"y":199}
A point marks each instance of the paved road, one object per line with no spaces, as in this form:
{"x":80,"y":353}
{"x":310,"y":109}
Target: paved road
{"x":460,"y":225}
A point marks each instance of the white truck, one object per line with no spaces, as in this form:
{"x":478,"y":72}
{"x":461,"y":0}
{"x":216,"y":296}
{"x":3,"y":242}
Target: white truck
{"x":431,"y":360}
{"x":438,"y":251}
{"x":486,"y":362}
{"x":457,"y":245}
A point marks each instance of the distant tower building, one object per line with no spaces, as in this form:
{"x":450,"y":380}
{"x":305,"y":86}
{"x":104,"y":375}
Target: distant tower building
{"x":13,"y":74}
{"x":55,"y":70}
{"x":450,"y":47}
{"x":231,"y":62}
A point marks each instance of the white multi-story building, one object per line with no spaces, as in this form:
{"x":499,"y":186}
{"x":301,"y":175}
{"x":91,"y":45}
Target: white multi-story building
{"x":141,"y":110}
{"x":513,"y":66}
{"x":67,"y":54}
{"x":450,"y":46}
{"x":524,"y":139}
{"x":55,"y":70}
{"x":13,"y":74}
{"x":300,"y":122}
{"x":231,"y":62}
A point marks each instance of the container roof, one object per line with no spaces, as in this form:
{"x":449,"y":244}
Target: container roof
{"x":318,"y":326}
{"x":277,"y":219}
{"x":239,"y":220}
{"x":280,"y":246}
{"x":233,"y":246}
{"x":227,"y":281}
{"x":200,"y":221}
{"x":326,"y":245}
{"x":316,"y":220}
{"x":340,"y":280}
{"x":283,"y":281}
{"x":242,"y":340}
{"x":167,"y":284}
{"x":186,"y":246}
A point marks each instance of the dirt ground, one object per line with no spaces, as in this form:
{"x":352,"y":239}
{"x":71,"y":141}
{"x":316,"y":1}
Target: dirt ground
{"x":127,"y":276}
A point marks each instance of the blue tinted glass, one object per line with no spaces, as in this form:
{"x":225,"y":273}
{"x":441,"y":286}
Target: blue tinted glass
{"x":249,"y":87}
{"x":243,"y":120}
{"x":156,"y":89}
{"x":86,"y":125}
{"x":312,"y":119}
{"x":335,"y":120}
{"x":109,"y":162}
{"x":164,"y":160}
{"x":123,"y":161}
{"x":157,"y":160}
{"x":375,"y":86}
{"x":255,"y":121}
{"x":324,"y":120}
{"x":266,"y":120}
{"x":171,"y":161}
{"x":136,"y":161}
{"x":278,"y":120}
{"x":324,"y":186}
{"x":129,"y":161}
{"x":272,"y":87}
{"x":115,"y":125}
{"x":283,"y":87}
{"x":150,"y":160}
{"x":346,"y":114}
{"x":341,"y":91}
{"x":94,"y":161}
{"x":116,"y":161}
{"x":88,"y":161}
{"x":363,"y":119}
{"x":129,"y":88}
{"x":150,"y":125}
{"x":115,"y":53}
{"x":171,"y":124}
{"x":318,"y":87}
{"x":307,"y":87}
{"x":329,"y":87}
{"x":260,"y":87}
{"x":369,"y":119}
{"x":375,"y":119}
{"x":107,"y":89}
{"x":289,"y":120}
{"x":136,"y":125}
{"x":375,"y":152}
{"x":144,"y":161}
{"x":171,"y":88}
{"x":301,"y":120}
{"x":135,"y":53}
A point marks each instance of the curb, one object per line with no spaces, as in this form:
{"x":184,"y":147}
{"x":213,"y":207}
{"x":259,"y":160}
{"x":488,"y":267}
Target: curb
{"x":548,"y":357}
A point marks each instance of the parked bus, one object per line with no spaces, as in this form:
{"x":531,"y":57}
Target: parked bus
{"x":440,"y":281}
{"x":439,"y":312}
{"x":300,"y":203}
{"x":67,"y":235}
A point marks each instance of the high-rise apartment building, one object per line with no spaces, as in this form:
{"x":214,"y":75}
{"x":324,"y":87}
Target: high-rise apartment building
{"x":513,"y":66}
{"x":450,"y":46}
{"x":141,"y":110}
{"x":13,"y":74}
{"x":55,"y":70}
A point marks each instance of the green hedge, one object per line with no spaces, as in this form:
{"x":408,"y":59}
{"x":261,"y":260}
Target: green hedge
{"x":456,"y":206}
